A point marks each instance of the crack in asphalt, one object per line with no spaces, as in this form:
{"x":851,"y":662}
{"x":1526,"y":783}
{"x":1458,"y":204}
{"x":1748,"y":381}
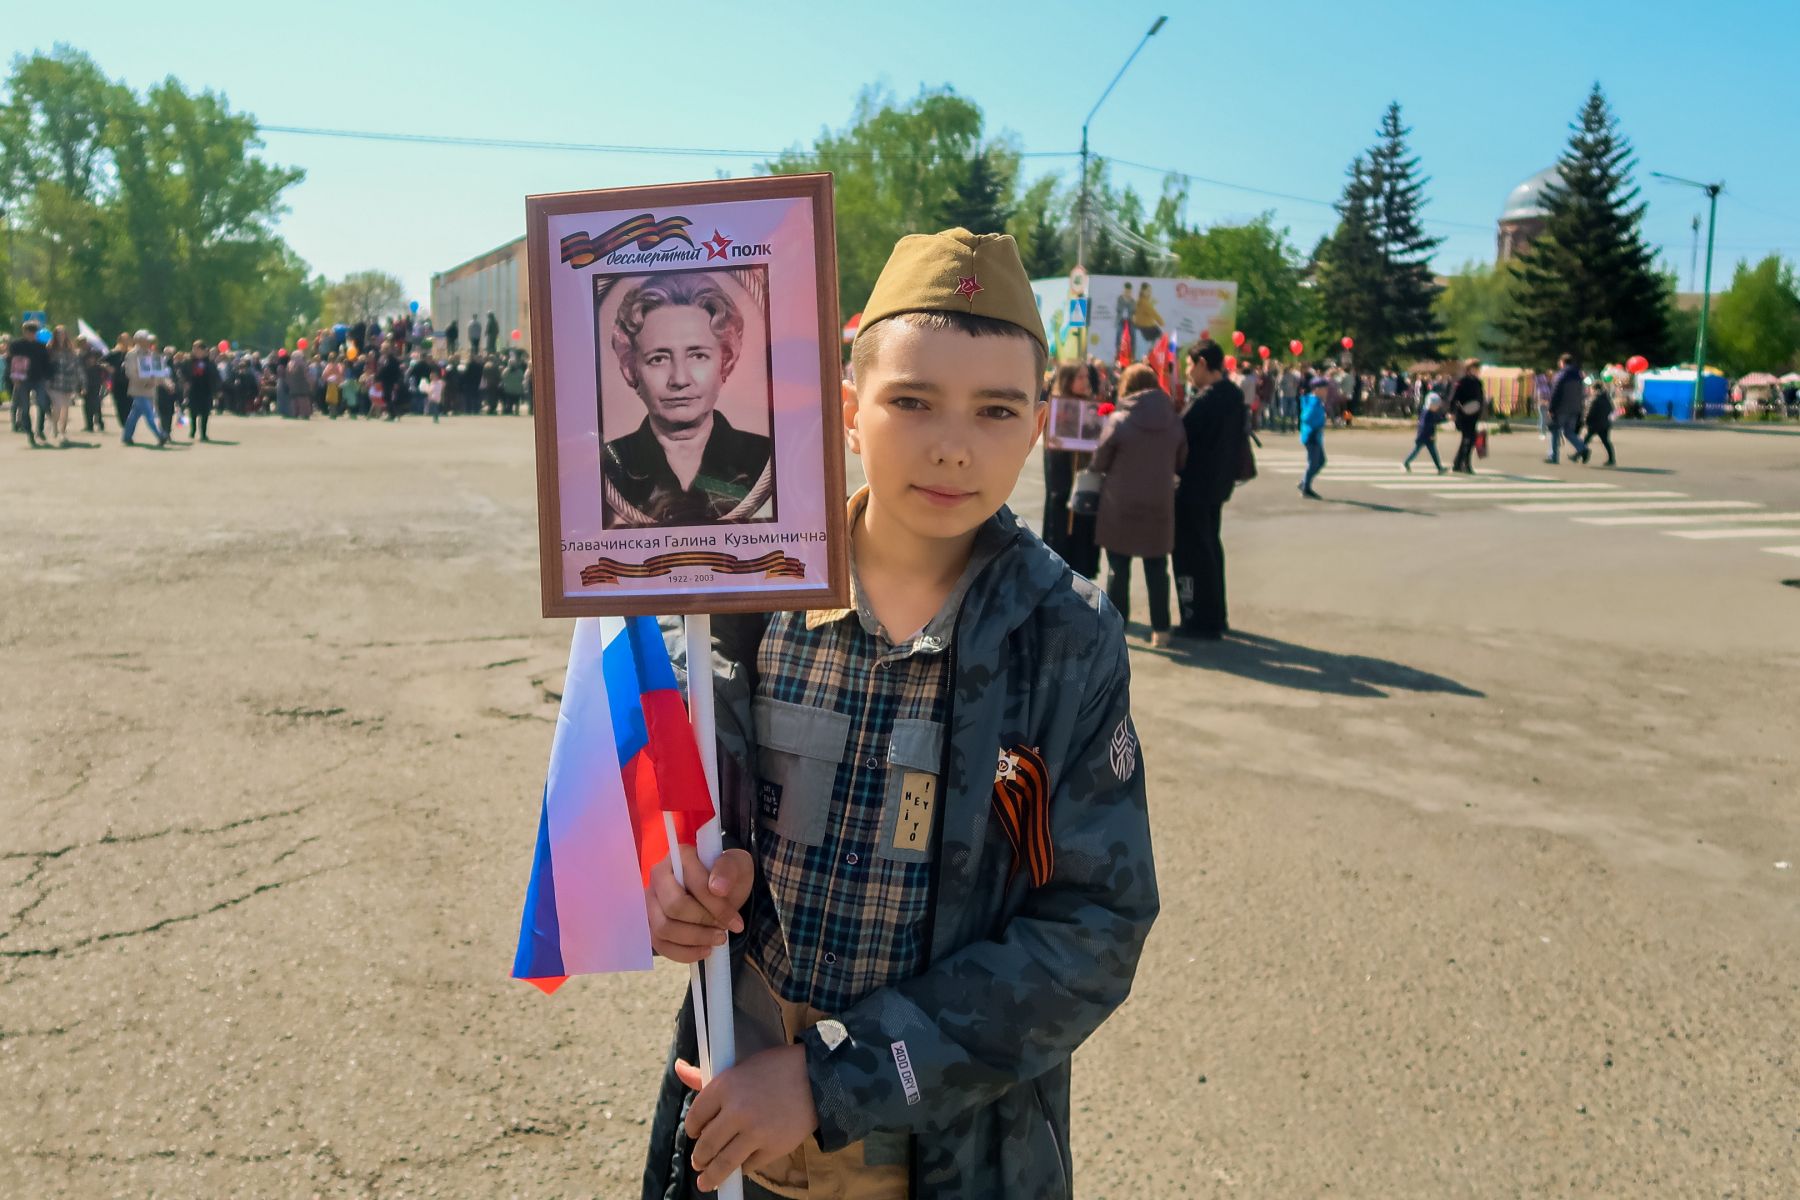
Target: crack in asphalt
{"x":157,"y":926}
{"x":109,"y":839}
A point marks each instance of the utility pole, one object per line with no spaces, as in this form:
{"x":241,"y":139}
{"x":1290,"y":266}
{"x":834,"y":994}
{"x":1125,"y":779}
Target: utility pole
{"x":1712,"y":191}
{"x":1694,"y":254}
{"x":1081,"y":220}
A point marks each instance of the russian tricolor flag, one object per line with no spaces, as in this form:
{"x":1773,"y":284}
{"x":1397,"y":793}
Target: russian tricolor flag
{"x":623,"y":755}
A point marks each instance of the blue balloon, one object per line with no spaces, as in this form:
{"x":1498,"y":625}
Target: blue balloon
{"x":415,"y":306}
{"x":44,"y":336}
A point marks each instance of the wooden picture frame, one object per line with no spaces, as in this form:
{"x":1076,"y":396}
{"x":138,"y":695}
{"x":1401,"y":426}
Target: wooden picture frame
{"x":685,"y":359}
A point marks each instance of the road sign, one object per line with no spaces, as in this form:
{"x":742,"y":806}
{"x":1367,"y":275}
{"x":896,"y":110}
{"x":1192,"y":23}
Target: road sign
{"x":1078,"y":282}
{"x":1078,"y":308}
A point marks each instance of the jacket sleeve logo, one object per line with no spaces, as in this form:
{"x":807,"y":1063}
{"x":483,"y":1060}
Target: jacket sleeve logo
{"x":1124,"y":751}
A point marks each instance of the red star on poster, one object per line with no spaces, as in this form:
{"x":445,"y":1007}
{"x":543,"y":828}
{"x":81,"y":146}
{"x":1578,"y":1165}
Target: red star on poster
{"x":967,"y":286}
{"x":716,"y":247}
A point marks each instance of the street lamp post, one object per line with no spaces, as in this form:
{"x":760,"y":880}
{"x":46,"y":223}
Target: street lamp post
{"x":1712,"y":191}
{"x":1082,"y":207}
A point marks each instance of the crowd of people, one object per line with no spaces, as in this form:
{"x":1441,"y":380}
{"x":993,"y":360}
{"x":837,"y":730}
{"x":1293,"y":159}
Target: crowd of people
{"x":1174,"y":445}
{"x":1176,"y":441}
{"x":374,"y":370}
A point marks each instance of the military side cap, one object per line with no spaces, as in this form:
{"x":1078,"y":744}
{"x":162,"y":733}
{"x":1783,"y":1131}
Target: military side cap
{"x":956,"y":272}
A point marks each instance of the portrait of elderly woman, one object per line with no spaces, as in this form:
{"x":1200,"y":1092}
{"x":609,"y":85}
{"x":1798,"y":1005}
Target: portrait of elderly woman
{"x":676,"y":339}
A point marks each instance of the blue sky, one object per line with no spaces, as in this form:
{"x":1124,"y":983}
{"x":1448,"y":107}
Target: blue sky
{"x":1277,"y":95}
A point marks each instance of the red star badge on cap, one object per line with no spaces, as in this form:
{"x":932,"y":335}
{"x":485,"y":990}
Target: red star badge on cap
{"x":967,"y":286}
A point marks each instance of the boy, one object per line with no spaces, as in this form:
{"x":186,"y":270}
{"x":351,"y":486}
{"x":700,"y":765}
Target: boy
{"x":926,"y":936}
{"x":1312,"y":433}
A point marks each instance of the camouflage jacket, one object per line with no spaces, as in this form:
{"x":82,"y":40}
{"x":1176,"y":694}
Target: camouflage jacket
{"x":970,"y":1059}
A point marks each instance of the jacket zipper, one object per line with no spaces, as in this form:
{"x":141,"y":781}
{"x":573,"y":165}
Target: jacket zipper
{"x":937,"y":832}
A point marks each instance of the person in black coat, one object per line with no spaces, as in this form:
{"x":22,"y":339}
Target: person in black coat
{"x":493,"y":333}
{"x":1466,"y":403}
{"x":115,"y":366}
{"x":451,"y":333}
{"x":202,"y":376}
{"x":1216,"y":423}
{"x":1599,"y":421}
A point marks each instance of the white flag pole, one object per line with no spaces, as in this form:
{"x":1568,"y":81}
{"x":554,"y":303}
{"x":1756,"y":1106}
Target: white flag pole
{"x":720,"y":1027}
{"x":700,"y":1038}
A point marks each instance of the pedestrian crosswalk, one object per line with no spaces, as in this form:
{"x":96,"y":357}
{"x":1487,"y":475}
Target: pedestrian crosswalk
{"x":1596,"y":502}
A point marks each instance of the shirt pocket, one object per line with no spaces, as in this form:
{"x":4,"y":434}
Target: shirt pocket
{"x":910,"y":803}
{"x":798,"y":752}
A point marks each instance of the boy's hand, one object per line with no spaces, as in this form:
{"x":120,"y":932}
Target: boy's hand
{"x":686,"y":923}
{"x":752,"y":1115}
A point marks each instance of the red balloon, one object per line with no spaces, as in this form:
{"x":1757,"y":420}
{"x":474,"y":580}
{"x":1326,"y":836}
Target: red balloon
{"x":1238,"y":338}
{"x":1263,"y":350}
{"x":301,"y":343}
{"x":516,"y":335}
{"x":1348,"y":342}
{"x":1297,"y":345}
{"x":1637,"y":364}
{"x":1231,"y":362}
{"x":224,"y":347}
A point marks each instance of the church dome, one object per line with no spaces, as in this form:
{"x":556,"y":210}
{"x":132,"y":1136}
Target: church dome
{"x":1526,"y":202}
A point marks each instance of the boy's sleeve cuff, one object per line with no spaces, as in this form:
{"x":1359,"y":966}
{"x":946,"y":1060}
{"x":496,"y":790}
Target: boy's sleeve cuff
{"x":841,"y":1121}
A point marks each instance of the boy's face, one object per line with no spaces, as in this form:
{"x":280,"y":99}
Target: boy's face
{"x":942,"y":422}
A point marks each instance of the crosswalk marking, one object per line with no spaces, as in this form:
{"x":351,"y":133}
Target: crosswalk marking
{"x":1496,"y":493}
{"x":1503,"y":489}
{"x":1621,"y":505}
{"x":1654,"y":519}
{"x":1790,"y":551}
{"x":1709,"y":534}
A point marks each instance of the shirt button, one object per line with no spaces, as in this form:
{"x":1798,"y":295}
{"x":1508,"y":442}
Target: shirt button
{"x":851,"y":858}
{"x":871,"y":762}
{"x":830,"y":959}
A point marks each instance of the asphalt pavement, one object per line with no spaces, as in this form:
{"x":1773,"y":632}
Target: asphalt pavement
{"x":1476,"y":838}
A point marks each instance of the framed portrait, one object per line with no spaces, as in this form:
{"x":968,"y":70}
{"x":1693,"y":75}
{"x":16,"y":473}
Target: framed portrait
{"x":690,"y":453}
{"x":1075,"y":423}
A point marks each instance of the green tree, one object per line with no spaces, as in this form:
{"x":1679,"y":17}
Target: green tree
{"x":1470,"y":308}
{"x":1347,"y":267}
{"x":1103,"y":255}
{"x":1043,"y":242}
{"x":1271,"y":303}
{"x":1375,"y":278}
{"x":1409,"y":326}
{"x":895,"y":165}
{"x":362,"y":294}
{"x":978,"y":197}
{"x":1588,"y":285}
{"x":131,"y":210}
{"x":1755,"y":325}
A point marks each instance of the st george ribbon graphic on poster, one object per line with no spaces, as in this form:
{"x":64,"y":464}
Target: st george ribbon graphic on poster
{"x":689,"y":434}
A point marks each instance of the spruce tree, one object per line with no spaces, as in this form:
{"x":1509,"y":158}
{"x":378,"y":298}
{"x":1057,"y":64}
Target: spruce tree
{"x":1347,"y":265}
{"x":1409,"y":325}
{"x":977,"y":199}
{"x":1045,"y":255}
{"x":1103,"y":255}
{"x":1588,"y":284}
{"x":1375,"y":277}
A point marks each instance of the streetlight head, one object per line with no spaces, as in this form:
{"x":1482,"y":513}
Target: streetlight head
{"x":1160,"y":22}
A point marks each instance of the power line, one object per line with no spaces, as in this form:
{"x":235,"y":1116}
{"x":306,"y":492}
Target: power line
{"x":490,"y":143}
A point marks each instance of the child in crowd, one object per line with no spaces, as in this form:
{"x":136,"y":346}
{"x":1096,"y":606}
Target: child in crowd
{"x":945,"y":878}
{"x":1431,"y":415}
{"x":1312,"y":432}
{"x":434,"y":395}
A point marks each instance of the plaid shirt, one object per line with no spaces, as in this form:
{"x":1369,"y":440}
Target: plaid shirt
{"x":850,"y":729}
